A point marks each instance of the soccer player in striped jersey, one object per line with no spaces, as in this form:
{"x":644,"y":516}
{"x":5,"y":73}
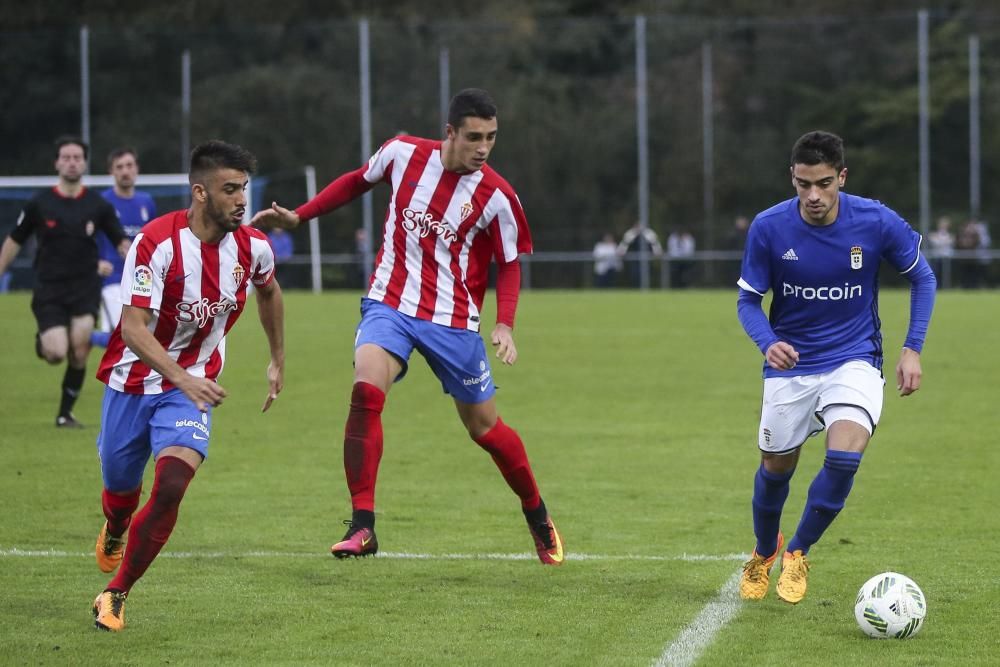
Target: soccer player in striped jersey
{"x":449,"y":216}
{"x":820,"y":253}
{"x":186,"y":280}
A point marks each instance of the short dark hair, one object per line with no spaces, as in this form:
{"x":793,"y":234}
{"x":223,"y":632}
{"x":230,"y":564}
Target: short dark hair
{"x":119,"y":152}
{"x":67,"y":139}
{"x":819,"y":147}
{"x":471,"y":102}
{"x":216,"y":154}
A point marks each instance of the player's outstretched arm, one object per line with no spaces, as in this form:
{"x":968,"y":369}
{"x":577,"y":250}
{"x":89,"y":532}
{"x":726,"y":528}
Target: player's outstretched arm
{"x":276,"y":216}
{"x":271,"y":309}
{"x":136,"y":334}
{"x":908,"y":372}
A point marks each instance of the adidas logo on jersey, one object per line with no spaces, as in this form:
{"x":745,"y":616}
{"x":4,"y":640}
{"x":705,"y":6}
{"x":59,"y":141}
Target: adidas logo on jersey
{"x":790,"y":255}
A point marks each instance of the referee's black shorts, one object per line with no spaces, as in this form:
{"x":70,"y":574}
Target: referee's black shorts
{"x":55,"y":303}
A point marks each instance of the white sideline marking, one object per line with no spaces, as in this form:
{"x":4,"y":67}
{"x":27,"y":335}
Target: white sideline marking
{"x":702,"y":629}
{"x":690,"y":558}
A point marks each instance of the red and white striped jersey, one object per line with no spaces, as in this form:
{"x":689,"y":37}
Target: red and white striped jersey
{"x":442,"y":229}
{"x":196,"y":292}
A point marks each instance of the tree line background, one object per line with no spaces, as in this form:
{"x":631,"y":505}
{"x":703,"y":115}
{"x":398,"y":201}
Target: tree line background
{"x":283,"y":81}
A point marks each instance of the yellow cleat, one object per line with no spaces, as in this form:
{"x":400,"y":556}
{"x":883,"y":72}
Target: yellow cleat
{"x":794,"y":577}
{"x":108,"y":550}
{"x":757,"y":573}
{"x":109,"y":611}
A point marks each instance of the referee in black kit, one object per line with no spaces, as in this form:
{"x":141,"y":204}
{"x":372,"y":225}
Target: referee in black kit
{"x":67,"y":291}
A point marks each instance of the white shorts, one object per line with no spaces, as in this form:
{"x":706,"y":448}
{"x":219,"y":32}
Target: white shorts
{"x":111,"y":307}
{"x":796,"y":408}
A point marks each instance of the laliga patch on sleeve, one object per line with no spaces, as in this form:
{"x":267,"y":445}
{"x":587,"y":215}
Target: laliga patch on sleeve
{"x":142,"y":281}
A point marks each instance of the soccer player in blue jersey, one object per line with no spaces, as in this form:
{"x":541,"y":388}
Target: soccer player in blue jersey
{"x":135,"y":208}
{"x":820,"y":253}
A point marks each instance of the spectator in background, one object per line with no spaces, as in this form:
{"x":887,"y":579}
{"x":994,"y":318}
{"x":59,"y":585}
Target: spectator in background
{"x":283,"y":247}
{"x":67,"y":292}
{"x":737,"y":237}
{"x":362,"y":269}
{"x":971,"y":271}
{"x":135,"y":208}
{"x":941,"y":243}
{"x":983,"y":251}
{"x":680,"y":250}
{"x":607,"y":263}
{"x":632,"y":242}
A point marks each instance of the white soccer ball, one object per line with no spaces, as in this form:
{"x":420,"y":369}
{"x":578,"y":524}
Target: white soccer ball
{"x":890,"y":605}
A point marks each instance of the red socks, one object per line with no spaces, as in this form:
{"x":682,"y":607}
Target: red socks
{"x":363,"y":451}
{"x":363,"y":444}
{"x":118,"y":510}
{"x":154,"y":522}
{"x":505,"y":446}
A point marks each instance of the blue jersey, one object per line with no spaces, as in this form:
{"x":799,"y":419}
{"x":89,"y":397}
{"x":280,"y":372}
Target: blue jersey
{"x":132,"y":214}
{"x":825,"y":279}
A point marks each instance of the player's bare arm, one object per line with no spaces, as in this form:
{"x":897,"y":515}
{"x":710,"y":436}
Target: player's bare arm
{"x":123,"y":246}
{"x":782,"y":357}
{"x":104,"y":268}
{"x":271,"y":309}
{"x":503,"y":340}
{"x":136,"y":334}
{"x":908,"y":372}
{"x":276,"y":216}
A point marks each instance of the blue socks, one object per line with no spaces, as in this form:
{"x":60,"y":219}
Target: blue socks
{"x":100,"y":338}
{"x":826,"y":498}
{"x":770,"y":490}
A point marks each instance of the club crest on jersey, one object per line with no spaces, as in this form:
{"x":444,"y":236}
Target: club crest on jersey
{"x":89,"y":228}
{"x":466,"y":211}
{"x":856,"y":257}
{"x":424,"y":223}
{"x":142,"y":281}
{"x":238,"y":273}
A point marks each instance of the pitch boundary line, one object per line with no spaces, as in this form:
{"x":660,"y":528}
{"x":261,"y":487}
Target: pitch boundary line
{"x":700,"y":632}
{"x":15,"y":552}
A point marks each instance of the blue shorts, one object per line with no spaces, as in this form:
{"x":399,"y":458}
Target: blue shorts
{"x":135,"y":426}
{"x":457,"y":356}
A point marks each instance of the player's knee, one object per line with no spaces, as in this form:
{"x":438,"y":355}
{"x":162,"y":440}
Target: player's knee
{"x":780,"y":464}
{"x":53,"y":357}
{"x":170,"y":490}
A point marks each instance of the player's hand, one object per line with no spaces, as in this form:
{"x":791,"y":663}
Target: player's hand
{"x":104,"y":268}
{"x":908,"y":372}
{"x":202,"y":392}
{"x":276,"y":382}
{"x":503,"y":340}
{"x":781,"y":356}
{"x":276,"y":216}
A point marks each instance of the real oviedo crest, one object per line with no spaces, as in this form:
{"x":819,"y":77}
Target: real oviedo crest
{"x":856,"y":257}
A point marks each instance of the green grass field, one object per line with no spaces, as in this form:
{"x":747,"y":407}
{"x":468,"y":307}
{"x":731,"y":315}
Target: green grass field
{"x":639,"y":412}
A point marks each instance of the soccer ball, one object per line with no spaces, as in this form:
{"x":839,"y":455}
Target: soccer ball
{"x":890,"y":605}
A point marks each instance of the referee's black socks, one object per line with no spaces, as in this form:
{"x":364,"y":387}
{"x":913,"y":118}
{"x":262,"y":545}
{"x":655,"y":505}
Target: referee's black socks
{"x":71,"y":386}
